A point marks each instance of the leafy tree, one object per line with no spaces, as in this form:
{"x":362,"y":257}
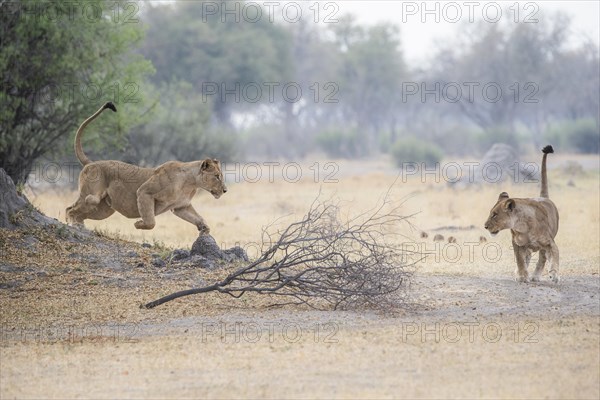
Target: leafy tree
{"x":371,"y":75}
{"x":180,"y":129}
{"x":523,"y":60}
{"x":59,"y":63}
{"x":216,"y":53}
{"x":578,"y":84}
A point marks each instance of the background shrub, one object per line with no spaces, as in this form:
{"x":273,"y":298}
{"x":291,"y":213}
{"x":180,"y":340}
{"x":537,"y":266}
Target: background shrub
{"x":582,"y":136}
{"x":341,"y":143}
{"x":415,"y":150}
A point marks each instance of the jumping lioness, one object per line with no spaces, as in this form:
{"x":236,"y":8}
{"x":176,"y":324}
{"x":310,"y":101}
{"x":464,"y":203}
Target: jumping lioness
{"x":533,"y":224}
{"x":109,"y":186}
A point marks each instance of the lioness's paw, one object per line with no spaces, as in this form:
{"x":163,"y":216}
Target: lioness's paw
{"x":554,"y":278}
{"x":522,"y":279}
{"x":142,"y":225}
{"x":535,"y":278}
{"x":203,"y":229}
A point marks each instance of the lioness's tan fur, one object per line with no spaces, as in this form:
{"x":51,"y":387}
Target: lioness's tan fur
{"x":136,"y":192}
{"x":533,"y":224}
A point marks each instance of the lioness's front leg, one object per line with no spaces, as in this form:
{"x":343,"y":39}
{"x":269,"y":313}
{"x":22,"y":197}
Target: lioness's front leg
{"x":189,"y":214}
{"x":521,"y":256}
{"x":145,"y":203}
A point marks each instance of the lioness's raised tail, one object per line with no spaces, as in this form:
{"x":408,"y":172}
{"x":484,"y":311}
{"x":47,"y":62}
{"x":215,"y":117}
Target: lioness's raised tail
{"x":546,"y":150}
{"x":83,"y":159}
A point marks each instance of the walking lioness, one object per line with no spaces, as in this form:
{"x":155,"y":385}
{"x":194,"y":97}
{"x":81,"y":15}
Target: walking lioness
{"x":136,"y":192}
{"x":533,"y":224}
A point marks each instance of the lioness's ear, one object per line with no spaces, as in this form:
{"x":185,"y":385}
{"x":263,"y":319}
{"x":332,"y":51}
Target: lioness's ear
{"x":503,"y":196}
{"x":205,"y":165}
{"x":509,"y":205}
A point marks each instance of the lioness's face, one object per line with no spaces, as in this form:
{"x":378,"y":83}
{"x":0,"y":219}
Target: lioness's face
{"x":501,"y":215}
{"x":212,"y":178}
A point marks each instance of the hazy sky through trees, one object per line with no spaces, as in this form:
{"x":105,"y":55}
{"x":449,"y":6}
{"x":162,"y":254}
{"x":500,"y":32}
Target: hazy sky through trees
{"x":419,"y":39}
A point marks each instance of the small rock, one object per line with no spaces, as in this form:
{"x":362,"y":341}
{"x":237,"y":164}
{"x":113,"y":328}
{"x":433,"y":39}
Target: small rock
{"x":179,"y":254}
{"x":132,"y":253}
{"x":238,"y":252}
{"x":202,"y":262}
{"x":10,"y":285}
{"x":146,"y":245}
{"x":438,"y":238}
{"x":208,"y":264}
{"x":8,"y":268}
{"x":424,"y":235}
{"x":155,"y":255}
{"x":158,"y":263}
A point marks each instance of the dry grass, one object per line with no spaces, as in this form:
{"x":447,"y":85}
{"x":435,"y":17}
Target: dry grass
{"x":170,"y":358}
{"x":238,"y":216}
{"x":368,"y":361}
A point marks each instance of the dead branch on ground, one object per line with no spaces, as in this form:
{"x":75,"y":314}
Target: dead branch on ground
{"x":324,"y":262}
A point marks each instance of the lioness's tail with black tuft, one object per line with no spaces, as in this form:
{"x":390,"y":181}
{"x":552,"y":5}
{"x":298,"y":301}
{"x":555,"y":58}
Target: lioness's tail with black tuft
{"x":78,"y":149}
{"x":546,"y":150}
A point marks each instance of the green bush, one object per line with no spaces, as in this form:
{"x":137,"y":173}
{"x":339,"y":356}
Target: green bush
{"x":581,"y":135}
{"x":179,"y":129}
{"x":414,"y":150}
{"x":342,"y":143}
{"x":385,"y":142}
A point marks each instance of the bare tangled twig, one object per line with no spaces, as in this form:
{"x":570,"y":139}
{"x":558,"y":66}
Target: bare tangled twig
{"x":323,"y":262}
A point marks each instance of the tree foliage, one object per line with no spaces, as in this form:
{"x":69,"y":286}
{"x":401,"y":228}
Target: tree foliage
{"x":60,"y":62}
{"x":214,"y":52}
{"x":180,"y":129}
{"x":351,"y":79}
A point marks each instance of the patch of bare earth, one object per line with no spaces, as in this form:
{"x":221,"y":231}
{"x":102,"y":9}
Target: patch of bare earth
{"x":72,"y":328}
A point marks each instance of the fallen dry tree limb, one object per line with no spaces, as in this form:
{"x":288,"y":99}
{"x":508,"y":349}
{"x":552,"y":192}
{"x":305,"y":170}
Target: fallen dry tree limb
{"x":323,"y":262}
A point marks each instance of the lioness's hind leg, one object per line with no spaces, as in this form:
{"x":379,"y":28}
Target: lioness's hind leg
{"x":553,"y":258}
{"x":78,"y":212}
{"x":94,"y":199}
{"x":189,"y":214}
{"x":539,"y":268}
{"x":101,"y":211}
{"x":72,"y":215}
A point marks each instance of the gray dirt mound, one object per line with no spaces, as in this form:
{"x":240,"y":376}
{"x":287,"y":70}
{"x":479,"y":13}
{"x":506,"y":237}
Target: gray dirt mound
{"x":206,"y":253}
{"x":500,"y":164}
{"x":207,"y":247}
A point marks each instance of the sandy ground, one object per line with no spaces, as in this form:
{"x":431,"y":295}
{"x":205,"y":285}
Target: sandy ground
{"x":469,"y":337}
{"x":72,"y":328}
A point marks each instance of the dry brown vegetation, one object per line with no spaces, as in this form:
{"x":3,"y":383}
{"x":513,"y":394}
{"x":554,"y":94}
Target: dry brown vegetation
{"x":71,"y":326}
